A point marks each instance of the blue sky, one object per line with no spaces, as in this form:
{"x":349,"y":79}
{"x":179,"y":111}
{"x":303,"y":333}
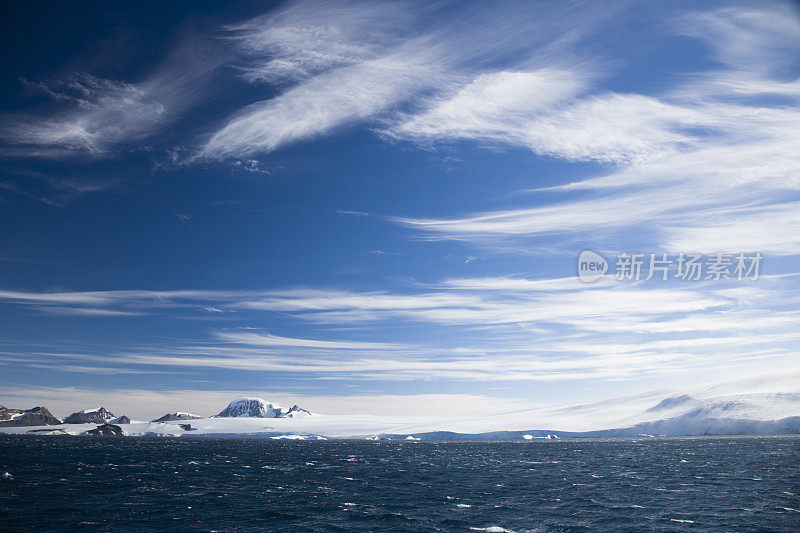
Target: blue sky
{"x":382,"y":203}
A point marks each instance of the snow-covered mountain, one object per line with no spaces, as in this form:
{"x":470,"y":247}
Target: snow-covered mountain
{"x":760,"y":398}
{"x":760,"y":405}
{"x":296,"y":411}
{"x":37,"y":416}
{"x":258,"y":408}
{"x":170,"y":417}
{"x":763,"y":404}
{"x":98,"y":415}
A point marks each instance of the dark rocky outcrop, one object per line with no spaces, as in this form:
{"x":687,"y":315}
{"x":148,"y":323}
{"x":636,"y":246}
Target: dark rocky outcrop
{"x":90,"y":416}
{"x":106,"y":430}
{"x":120,"y":420}
{"x":6,"y":413}
{"x":170,"y":417}
{"x":187,"y":427}
{"x":38,"y":416}
{"x":54,"y":431}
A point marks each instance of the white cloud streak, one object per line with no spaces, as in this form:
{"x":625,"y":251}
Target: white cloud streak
{"x":300,"y":40}
{"x":699,"y":171}
{"x":98,"y":117}
{"x":328,"y":101}
{"x":267,"y":339}
{"x":359,"y":61}
{"x":486,"y":329}
{"x":538,"y":110}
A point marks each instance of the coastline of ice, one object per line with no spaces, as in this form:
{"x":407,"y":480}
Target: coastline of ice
{"x":761,"y":399}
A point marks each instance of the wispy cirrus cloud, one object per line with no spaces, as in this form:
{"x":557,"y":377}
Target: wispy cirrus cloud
{"x":322,"y":67}
{"x":328,"y":101}
{"x":511,"y":75}
{"x":540,"y":110}
{"x":301,"y":39}
{"x":361,"y":62}
{"x":85,"y":311}
{"x":469,"y":302}
{"x":697,"y":168}
{"x":144,"y":297}
{"x":485,"y":329}
{"x":513,"y":360}
{"x":97,"y":117}
{"x":338,"y":62}
{"x":485,"y":307}
{"x":746,"y":38}
{"x":102,"y":111}
{"x":267,"y":339}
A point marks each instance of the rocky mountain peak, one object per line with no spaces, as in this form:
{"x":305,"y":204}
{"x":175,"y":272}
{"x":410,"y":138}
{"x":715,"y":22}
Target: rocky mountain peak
{"x":37,"y":416}
{"x":99,"y":415}
{"x":169,"y":417}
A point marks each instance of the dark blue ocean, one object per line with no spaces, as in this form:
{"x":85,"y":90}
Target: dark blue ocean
{"x":195,"y":484}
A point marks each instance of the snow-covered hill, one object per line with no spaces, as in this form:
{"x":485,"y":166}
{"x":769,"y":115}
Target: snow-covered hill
{"x":760,"y":398}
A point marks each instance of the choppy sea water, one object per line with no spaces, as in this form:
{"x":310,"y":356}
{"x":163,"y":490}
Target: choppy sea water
{"x":690,"y":484}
